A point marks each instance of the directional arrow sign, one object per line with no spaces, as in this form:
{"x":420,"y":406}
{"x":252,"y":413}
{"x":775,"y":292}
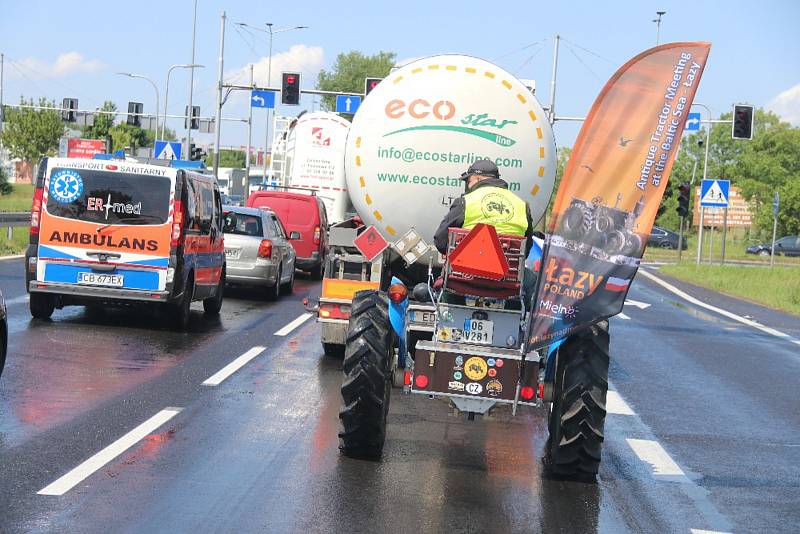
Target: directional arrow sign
{"x":262,"y":99}
{"x":347,"y":103}
{"x":692,"y":122}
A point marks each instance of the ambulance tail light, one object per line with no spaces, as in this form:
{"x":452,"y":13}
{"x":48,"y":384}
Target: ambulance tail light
{"x":265,"y":249}
{"x":36,"y":214}
{"x":317,"y":235}
{"x":176,"y":239}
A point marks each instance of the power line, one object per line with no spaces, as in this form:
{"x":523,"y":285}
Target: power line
{"x":530,"y":58}
{"x":541,"y":41}
{"x":590,"y":52}
{"x":72,"y":90}
{"x":572,"y":51}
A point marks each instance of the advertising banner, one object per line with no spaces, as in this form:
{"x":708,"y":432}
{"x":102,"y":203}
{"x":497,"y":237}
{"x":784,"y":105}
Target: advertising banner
{"x":85,"y":148}
{"x":612,"y":187}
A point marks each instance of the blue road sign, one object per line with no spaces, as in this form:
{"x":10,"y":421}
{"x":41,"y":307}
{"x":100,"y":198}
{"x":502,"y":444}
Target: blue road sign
{"x":776,"y":205}
{"x":692,"y":122}
{"x":347,"y":103}
{"x":262,"y":99}
{"x":168,"y":150}
{"x":715,"y":193}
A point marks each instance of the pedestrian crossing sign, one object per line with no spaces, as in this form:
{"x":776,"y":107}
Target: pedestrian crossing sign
{"x":715,"y":193}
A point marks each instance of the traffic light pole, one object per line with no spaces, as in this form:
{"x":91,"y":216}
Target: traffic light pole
{"x":724,"y":232}
{"x":680,"y":239}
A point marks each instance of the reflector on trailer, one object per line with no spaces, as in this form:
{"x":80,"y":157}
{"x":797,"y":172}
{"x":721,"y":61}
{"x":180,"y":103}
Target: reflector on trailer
{"x":480,"y":254}
{"x":344,"y":289}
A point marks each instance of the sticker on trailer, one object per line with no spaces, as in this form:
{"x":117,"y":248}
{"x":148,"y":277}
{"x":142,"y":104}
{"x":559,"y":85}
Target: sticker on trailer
{"x":476,"y":368}
{"x":473,"y":388}
{"x":426,"y":123}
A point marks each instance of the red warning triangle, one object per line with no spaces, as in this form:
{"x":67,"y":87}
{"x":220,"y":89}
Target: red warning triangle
{"x":480,"y":254}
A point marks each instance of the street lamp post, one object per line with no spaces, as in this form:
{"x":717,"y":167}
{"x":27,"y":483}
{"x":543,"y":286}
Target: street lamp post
{"x":271,"y":32}
{"x":187,"y":149}
{"x":129,"y":75}
{"x":705,"y":175}
{"x":166,"y":90}
{"x":658,"y":24}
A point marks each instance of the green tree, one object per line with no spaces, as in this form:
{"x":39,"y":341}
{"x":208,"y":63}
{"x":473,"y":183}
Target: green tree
{"x":127,"y":137}
{"x":103,"y":122}
{"x":5,"y":187}
{"x":29,"y":133}
{"x":349,"y":71}
{"x":227,"y":158}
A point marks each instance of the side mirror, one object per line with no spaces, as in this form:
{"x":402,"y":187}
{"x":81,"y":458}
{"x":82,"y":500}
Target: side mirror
{"x":294,"y":236}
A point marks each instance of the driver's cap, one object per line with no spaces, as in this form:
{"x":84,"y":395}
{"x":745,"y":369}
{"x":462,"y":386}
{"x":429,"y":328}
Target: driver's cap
{"x":483,"y":167}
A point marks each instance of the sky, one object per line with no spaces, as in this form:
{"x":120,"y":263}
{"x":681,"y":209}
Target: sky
{"x":56,"y":50}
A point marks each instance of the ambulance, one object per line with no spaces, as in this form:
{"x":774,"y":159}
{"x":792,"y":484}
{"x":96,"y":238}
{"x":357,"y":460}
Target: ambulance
{"x":110,"y":232}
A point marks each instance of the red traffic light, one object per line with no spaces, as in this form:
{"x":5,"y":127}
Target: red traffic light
{"x":290,"y":80}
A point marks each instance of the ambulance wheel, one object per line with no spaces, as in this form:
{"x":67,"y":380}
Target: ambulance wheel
{"x":367,"y":384}
{"x":578,"y":412}
{"x":212,"y":305}
{"x":42,"y":305}
{"x":181,"y":310}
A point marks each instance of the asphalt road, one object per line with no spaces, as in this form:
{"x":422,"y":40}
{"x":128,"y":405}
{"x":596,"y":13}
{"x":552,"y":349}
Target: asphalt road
{"x":704,"y":434}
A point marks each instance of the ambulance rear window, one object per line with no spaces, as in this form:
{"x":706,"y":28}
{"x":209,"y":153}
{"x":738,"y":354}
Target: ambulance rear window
{"x":108,"y":197}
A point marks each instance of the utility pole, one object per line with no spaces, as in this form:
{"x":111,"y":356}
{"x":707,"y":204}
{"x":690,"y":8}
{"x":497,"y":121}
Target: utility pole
{"x":705,"y":175}
{"x":2,"y":116}
{"x":249,"y":131}
{"x":268,"y":110}
{"x":218,"y":125}
{"x":187,"y":148}
{"x":658,"y":25}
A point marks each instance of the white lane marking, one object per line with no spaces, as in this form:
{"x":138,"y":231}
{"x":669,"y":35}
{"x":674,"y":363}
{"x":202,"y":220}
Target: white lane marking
{"x":14,"y":257}
{"x":701,"y":531}
{"x":616,"y":404}
{"x":217,"y":378}
{"x":652,"y":452}
{"x":696,"y":302}
{"x":640,"y":305}
{"x":77,"y":475}
{"x":623,"y":316}
{"x":294,"y":324}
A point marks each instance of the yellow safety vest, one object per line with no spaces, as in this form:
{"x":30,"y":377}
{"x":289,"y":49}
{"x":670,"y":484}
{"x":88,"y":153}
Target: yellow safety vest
{"x":496,"y":206}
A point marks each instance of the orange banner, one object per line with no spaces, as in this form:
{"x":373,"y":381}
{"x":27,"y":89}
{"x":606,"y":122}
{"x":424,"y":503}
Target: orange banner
{"x":612,"y":187}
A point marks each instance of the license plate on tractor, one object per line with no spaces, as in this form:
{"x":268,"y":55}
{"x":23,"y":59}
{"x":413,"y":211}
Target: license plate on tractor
{"x":98,"y":279}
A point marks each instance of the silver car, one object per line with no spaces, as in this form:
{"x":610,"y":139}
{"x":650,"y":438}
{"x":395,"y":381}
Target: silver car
{"x":257,"y":250}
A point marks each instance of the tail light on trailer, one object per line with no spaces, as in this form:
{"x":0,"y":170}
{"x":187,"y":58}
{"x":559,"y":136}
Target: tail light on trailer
{"x":265,"y":249}
{"x":36,"y":213}
{"x":176,"y":239}
{"x":332,"y":310}
{"x":317,"y":235}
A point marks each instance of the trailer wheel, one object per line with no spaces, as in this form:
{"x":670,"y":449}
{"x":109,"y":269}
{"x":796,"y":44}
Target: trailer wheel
{"x":578,"y":412}
{"x":42,"y":305}
{"x":368,"y":376}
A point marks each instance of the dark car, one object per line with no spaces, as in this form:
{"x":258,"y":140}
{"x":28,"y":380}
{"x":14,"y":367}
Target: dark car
{"x":788,"y":246}
{"x":3,"y":333}
{"x":663,"y":238}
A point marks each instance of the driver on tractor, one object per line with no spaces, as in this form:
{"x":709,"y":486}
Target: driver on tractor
{"x":487,"y":200}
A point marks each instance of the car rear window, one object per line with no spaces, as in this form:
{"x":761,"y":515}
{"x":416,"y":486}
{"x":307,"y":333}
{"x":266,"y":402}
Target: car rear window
{"x":108,"y":197}
{"x":293,"y":212}
{"x":242,"y":224}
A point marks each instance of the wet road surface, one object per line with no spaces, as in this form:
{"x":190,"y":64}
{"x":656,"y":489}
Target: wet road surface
{"x":703,"y":431}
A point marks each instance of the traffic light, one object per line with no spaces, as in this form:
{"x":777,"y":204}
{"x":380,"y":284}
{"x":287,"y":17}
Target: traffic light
{"x":684,"y":191}
{"x":196,"y":153}
{"x":135,"y":110}
{"x":742,"y":122}
{"x":68,"y":108}
{"x":370,"y":84}
{"x":290,"y":89}
{"x":195,"y":118}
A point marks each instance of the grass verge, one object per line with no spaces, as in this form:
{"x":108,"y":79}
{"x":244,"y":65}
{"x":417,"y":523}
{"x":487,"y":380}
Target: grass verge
{"x":20,"y":198}
{"x":18,"y":242}
{"x":778,"y":288}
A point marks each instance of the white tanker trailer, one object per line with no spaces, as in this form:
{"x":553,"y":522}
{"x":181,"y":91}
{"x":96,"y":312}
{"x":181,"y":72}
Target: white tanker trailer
{"x":409,"y":142}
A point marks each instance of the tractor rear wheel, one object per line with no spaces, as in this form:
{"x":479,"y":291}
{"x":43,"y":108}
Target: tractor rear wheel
{"x":578,"y":411}
{"x":367,"y":384}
